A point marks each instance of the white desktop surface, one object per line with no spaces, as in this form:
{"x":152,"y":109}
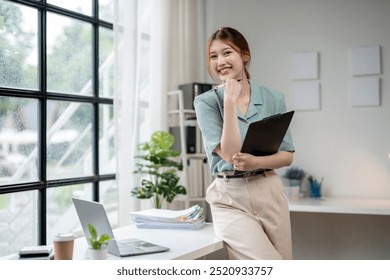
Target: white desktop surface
{"x":342,"y":205}
{"x":183,"y":244}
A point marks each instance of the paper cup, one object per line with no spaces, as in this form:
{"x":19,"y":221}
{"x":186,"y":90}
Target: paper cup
{"x":63,"y":246}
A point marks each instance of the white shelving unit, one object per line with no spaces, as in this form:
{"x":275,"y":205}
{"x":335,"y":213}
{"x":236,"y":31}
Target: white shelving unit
{"x":178,"y":116}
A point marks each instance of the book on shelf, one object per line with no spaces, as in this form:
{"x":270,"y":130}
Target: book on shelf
{"x":190,"y":218}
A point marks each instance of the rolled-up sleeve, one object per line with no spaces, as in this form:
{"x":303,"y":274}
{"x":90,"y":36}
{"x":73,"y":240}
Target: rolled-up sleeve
{"x":209,"y":120}
{"x":209,"y":114}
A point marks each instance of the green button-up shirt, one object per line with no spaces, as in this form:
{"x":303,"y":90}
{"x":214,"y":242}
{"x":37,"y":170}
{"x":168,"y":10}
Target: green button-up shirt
{"x":264,"y":102}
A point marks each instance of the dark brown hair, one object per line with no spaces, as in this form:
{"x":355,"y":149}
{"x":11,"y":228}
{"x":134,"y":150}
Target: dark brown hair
{"x":234,"y":39}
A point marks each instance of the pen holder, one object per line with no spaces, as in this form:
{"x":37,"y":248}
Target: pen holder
{"x":315,"y":188}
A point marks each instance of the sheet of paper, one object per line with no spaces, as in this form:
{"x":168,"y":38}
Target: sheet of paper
{"x":164,"y":213}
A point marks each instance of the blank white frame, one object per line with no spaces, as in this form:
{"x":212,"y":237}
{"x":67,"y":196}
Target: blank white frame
{"x":304,"y":66}
{"x":365,"y":91}
{"x":306,"y":96}
{"x":366,"y":61}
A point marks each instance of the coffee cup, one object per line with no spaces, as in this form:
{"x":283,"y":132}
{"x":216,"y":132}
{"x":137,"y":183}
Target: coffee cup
{"x":63,"y":246}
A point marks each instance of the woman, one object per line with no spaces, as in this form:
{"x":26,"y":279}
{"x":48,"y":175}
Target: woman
{"x":250,"y":211}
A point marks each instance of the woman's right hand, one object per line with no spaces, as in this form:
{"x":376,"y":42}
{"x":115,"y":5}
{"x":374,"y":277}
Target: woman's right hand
{"x":232,"y":90}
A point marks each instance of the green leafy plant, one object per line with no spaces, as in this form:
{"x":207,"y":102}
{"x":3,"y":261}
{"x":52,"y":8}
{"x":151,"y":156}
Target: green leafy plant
{"x":294,"y":173}
{"x":96,"y":242}
{"x":160,"y":162}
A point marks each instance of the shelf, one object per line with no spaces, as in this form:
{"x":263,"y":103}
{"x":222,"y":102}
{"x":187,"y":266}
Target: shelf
{"x":194,"y":156}
{"x":192,"y":199}
{"x":341,"y":205}
{"x":184,"y":111}
{"x":194,"y":175}
{"x":197,"y":199}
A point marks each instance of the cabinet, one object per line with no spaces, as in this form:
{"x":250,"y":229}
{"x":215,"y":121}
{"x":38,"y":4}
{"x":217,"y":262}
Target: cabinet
{"x":340,"y":228}
{"x":182,"y":124}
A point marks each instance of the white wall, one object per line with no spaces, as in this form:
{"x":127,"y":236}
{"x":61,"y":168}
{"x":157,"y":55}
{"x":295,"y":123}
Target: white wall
{"x":348,"y":146}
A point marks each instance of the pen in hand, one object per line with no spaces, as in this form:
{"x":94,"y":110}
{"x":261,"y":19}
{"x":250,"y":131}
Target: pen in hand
{"x":221,"y":85}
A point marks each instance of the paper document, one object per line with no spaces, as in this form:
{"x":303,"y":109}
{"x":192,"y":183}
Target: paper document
{"x":191,"y":218}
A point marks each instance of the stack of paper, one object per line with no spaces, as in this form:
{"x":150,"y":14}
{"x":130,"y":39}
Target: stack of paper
{"x":191,"y":218}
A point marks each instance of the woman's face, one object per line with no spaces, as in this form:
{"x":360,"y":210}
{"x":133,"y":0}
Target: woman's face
{"x":225,"y":62}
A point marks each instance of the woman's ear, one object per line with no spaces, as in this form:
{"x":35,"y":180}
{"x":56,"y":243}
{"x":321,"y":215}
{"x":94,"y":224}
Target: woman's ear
{"x":245,"y":58}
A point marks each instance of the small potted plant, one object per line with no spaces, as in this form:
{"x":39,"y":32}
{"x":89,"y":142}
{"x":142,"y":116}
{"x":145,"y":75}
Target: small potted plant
{"x":294,"y":175}
{"x":160,"y":162}
{"x":293,"y":179}
{"x":98,"y":244}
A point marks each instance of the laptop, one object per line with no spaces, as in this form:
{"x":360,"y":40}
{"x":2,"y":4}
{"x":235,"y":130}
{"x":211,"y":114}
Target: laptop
{"x":264,"y":137}
{"x":91,"y":212}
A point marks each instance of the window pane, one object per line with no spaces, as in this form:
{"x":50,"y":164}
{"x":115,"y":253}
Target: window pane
{"x":106,"y":62}
{"x":107,"y":160}
{"x":109,"y":198}
{"x":69,"y":55}
{"x":18,"y":221}
{"x":61,"y":214}
{"x":144,"y":70}
{"x":18,"y":46}
{"x":18,"y":140}
{"x":82,"y":7}
{"x":106,"y":10}
{"x":144,"y":12}
{"x":69,"y":139}
{"x":144,"y":123}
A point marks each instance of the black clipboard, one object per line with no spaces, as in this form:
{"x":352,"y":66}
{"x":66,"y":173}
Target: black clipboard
{"x":264,"y":137}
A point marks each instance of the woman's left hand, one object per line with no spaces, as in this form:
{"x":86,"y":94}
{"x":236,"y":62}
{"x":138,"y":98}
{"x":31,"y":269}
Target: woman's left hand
{"x":244,"y":162}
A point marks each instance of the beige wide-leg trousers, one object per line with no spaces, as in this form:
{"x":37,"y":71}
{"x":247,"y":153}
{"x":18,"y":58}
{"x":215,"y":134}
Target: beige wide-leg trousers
{"x":251,"y":216}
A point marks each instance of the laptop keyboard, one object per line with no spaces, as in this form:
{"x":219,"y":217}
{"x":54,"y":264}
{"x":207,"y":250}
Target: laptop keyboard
{"x":128,"y":249}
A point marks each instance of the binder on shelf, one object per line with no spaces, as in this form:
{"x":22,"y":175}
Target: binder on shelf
{"x":190,"y":134}
{"x":191,"y":175}
{"x":191,"y":90}
{"x":199,"y":177}
{"x":199,"y":141}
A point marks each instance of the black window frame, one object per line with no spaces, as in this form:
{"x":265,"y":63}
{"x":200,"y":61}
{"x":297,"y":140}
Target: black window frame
{"x":43,"y":96}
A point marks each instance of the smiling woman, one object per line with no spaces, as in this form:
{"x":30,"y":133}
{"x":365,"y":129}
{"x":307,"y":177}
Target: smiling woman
{"x":240,"y":201}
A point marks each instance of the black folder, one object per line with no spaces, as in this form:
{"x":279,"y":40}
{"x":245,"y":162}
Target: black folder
{"x":264,"y":137}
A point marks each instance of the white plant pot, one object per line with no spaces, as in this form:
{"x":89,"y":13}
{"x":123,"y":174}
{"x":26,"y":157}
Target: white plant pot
{"x":97,"y":254}
{"x":292,"y":192}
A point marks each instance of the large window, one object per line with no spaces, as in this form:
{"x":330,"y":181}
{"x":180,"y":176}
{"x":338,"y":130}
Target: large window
{"x":56,"y":116}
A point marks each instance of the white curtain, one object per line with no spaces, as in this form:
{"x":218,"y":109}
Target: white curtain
{"x":158,"y":46}
{"x":186,"y":42}
{"x":124,"y":102}
{"x":177,"y":53}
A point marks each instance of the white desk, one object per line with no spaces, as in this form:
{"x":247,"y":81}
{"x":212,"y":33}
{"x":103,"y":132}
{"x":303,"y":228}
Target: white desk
{"x":183,"y":244}
{"x":341,"y":205}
